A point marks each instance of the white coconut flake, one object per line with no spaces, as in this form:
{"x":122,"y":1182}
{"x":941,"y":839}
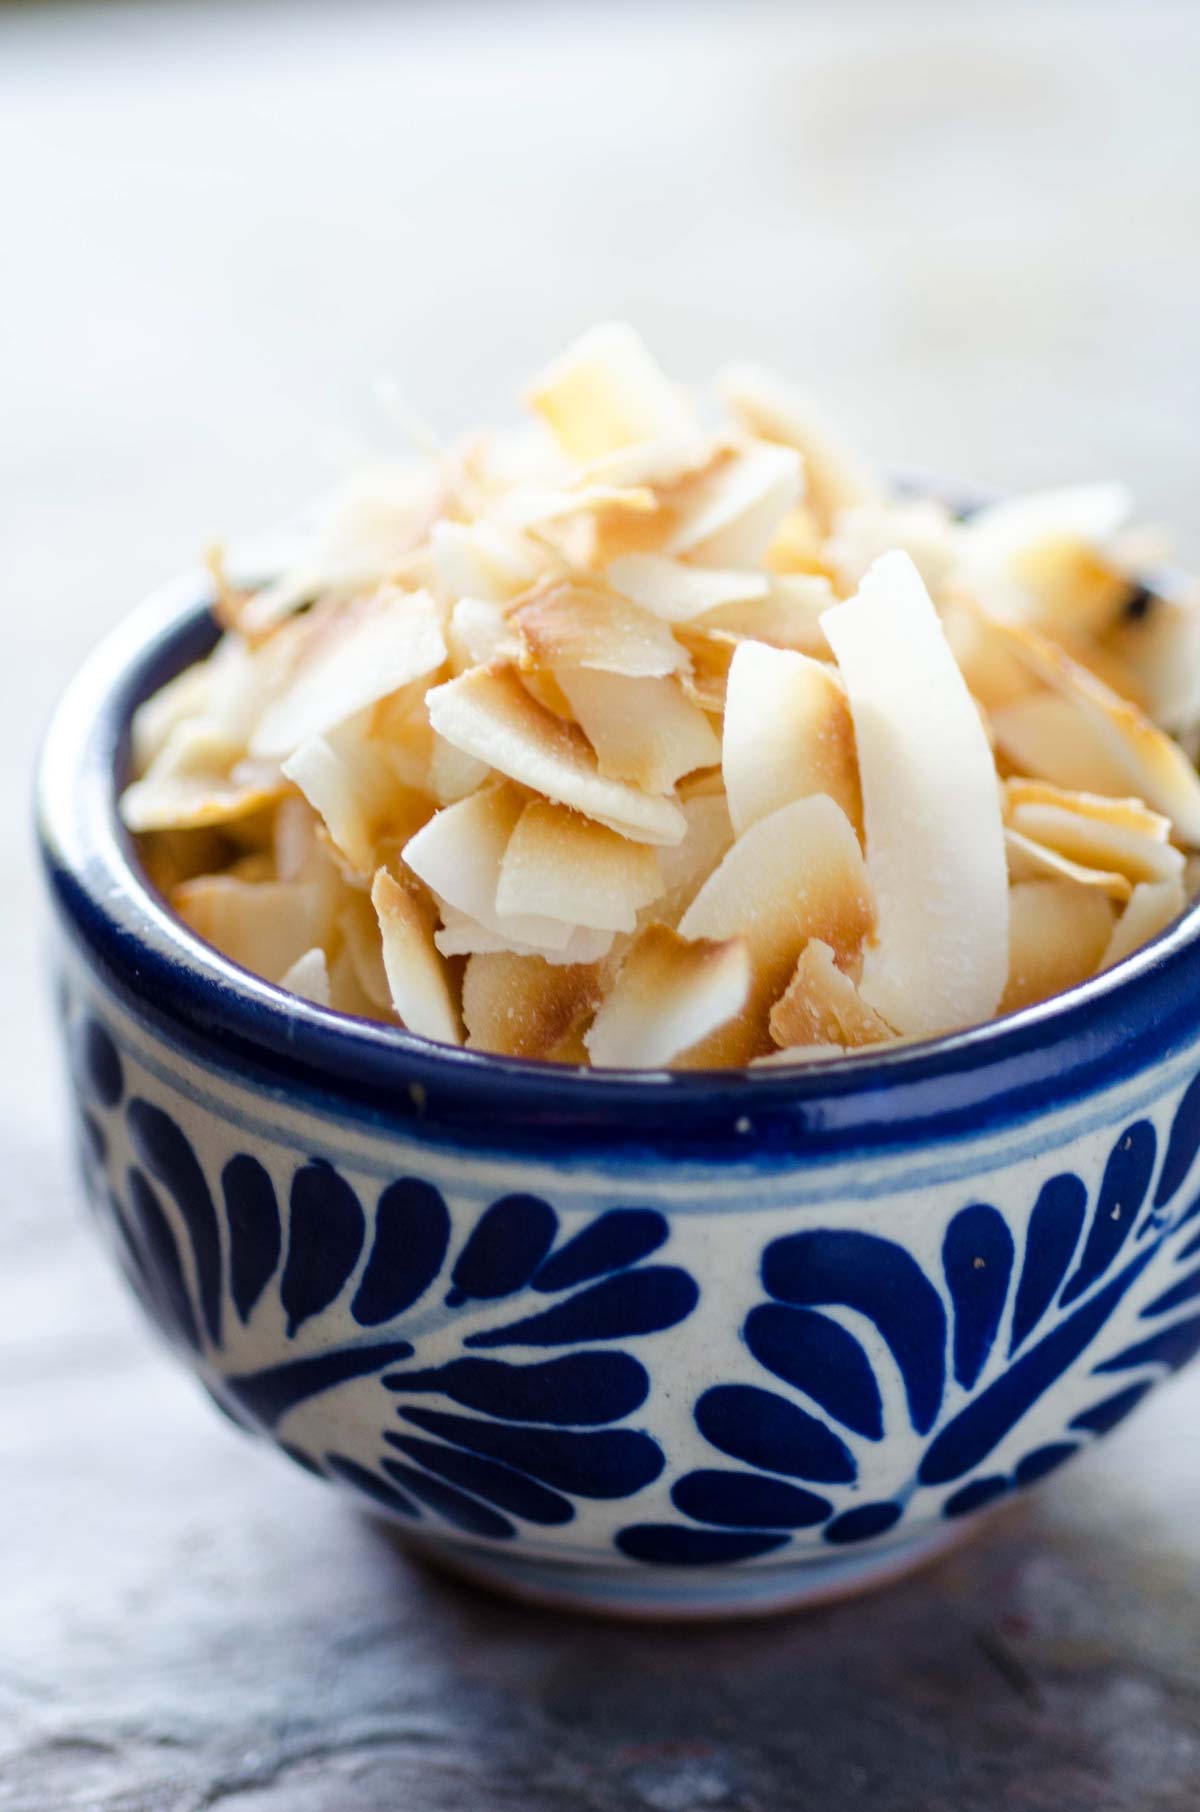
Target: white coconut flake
{"x":934,"y":829}
{"x":787,"y":734}
{"x":308,"y":978}
{"x":669,"y":995}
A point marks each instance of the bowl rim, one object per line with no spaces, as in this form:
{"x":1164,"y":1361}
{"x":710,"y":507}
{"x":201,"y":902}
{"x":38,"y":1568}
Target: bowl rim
{"x":1009,"y":1068}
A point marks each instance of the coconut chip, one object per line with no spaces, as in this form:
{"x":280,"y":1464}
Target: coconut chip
{"x":567,"y":625}
{"x":606,"y":393}
{"x":523,"y":1006}
{"x":670,"y":994}
{"x":679,"y":593}
{"x":647,"y":732}
{"x":489,"y":714}
{"x":418,"y":980}
{"x":787,"y":734}
{"x":934,"y":832}
{"x":1153,"y":905}
{"x":566,"y":867}
{"x":796,"y":874}
{"x":821,"y":1005}
{"x":1058,"y":933}
{"x":308,"y":978}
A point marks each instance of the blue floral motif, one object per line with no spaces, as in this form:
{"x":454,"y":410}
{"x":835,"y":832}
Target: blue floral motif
{"x":481,"y":1441}
{"x":1077,"y":1265}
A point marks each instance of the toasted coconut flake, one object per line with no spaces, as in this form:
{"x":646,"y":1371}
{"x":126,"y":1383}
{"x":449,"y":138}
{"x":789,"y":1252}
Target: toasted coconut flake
{"x":803,"y":1053}
{"x":924,"y":530}
{"x":605,"y":392}
{"x":686,"y":867}
{"x":358,"y":924}
{"x":418,"y":980}
{"x":1032,"y":861}
{"x":794,"y":875}
{"x":1157,"y":650}
{"x":1095,"y":832}
{"x":197,"y":783}
{"x":669,"y":995}
{"x":567,"y":867}
{"x":787,"y":734}
{"x":1153,"y":767}
{"x":567,"y":625}
{"x":679,"y":593}
{"x":934,"y":833}
{"x":359,"y":656}
{"x":489,"y":714}
{"x":662,"y":463}
{"x":459,"y":856}
{"x":788,"y":617}
{"x":1032,"y":559}
{"x":729,"y":515}
{"x":523,"y":1006}
{"x":487,"y":561}
{"x":479,"y":632}
{"x":346,"y":994}
{"x":535,"y":509}
{"x":835,"y":477}
{"x":644,"y":731}
{"x":308,"y":978}
{"x":263,"y":925}
{"x":356,"y":794}
{"x":1153,"y":905}
{"x":1057,"y":937}
{"x":463,"y":936}
{"x":1044,"y":735}
{"x":821,"y":1006}
{"x":452,"y":775}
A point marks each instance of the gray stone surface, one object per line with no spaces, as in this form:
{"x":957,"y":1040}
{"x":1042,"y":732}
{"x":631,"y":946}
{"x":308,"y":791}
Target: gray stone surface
{"x":974,"y":230}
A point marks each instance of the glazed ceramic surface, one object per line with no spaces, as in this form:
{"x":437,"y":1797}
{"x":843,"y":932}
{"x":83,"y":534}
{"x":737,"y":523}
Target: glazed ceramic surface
{"x":653,"y":1344}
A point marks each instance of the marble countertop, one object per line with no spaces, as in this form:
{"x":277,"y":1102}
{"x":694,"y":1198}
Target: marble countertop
{"x":972,"y":230}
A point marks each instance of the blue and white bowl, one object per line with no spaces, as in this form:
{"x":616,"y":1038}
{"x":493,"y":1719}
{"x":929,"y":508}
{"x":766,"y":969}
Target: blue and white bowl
{"x":648,"y":1344}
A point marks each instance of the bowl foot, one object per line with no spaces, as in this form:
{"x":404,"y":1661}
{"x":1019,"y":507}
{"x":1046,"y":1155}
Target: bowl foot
{"x":681,"y":1594}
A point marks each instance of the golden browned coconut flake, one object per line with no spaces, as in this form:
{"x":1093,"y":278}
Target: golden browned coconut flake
{"x":641,"y":738}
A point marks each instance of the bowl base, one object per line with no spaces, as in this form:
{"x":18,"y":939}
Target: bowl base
{"x":686,"y":1594}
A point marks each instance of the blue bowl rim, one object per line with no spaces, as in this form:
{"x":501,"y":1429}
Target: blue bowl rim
{"x":1003,"y":1072}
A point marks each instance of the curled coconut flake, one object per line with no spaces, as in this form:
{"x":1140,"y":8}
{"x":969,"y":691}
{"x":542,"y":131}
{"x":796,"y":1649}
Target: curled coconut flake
{"x":788,"y":617}
{"x":1031,"y":559}
{"x":566,"y":867}
{"x":923,"y":529}
{"x":787,"y":734}
{"x":489,"y":714}
{"x":1031,"y":861}
{"x":265,"y":926}
{"x":644,"y":731}
{"x":678,"y":593}
{"x":822,"y":1006}
{"x":794,"y":875}
{"x":198,"y":782}
{"x":308,"y":978}
{"x":728,"y":516}
{"x":479,"y":632}
{"x":1152,"y":767}
{"x":1097,"y":833}
{"x":357,"y":657}
{"x":417,"y":977}
{"x":934,"y":833}
{"x":689,"y":864}
{"x":1057,"y":937}
{"x":604,"y":393}
{"x":1153,"y":905}
{"x":568,"y":625}
{"x":459,"y":856}
{"x":669,"y":994}
{"x":523,"y":1006}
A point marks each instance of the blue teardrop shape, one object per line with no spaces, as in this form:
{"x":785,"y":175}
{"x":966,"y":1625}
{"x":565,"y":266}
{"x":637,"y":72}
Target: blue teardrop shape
{"x":1105,"y":1416}
{"x":1122,"y":1192}
{"x":633,"y":1302}
{"x":579,"y":1388}
{"x":1182,"y":1145}
{"x":976,"y":1495}
{"x":671,"y":1545}
{"x":101,"y":1062}
{"x":377,"y":1489}
{"x":821,"y":1359}
{"x":168,"y":1156}
{"x":611,"y":1242}
{"x":1172,"y":1349}
{"x":505,"y":1248}
{"x":456,"y":1507}
{"x":882,"y":1281}
{"x":325,"y":1240}
{"x":863,"y":1523}
{"x":765,"y":1430}
{"x":255,"y":1234}
{"x":603,"y":1463}
{"x":1185,"y":1290}
{"x":499,"y":1485}
{"x":977,"y":1257}
{"x":412,"y":1232}
{"x":741,"y":1500}
{"x":1043,"y":1461}
{"x":1054,"y":1229}
{"x":163,"y":1268}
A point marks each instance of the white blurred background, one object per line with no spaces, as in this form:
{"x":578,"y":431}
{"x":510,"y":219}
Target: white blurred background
{"x":973,"y":230}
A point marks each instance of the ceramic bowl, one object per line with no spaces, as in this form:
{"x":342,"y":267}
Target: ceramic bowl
{"x":647,"y":1344}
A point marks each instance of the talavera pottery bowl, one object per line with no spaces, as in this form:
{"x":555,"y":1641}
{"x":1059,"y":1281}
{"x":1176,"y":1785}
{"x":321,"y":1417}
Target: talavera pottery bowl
{"x":647,"y":1344}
